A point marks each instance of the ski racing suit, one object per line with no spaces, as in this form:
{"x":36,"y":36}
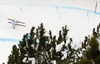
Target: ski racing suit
{"x":14,"y":23}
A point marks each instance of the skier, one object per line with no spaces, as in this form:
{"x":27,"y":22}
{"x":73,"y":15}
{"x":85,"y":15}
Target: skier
{"x":14,"y":23}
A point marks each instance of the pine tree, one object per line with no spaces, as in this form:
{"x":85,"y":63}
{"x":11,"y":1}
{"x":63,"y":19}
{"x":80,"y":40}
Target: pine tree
{"x":91,"y":54}
{"x":14,"y":58}
{"x":85,"y":61}
{"x":43,"y":48}
{"x":3,"y":63}
{"x":97,"y":60}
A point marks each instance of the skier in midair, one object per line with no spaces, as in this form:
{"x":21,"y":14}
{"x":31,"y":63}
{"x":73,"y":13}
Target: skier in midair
{"x":16,"y":22}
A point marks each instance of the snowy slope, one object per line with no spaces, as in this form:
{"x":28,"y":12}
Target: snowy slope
{"x":78,"y":15}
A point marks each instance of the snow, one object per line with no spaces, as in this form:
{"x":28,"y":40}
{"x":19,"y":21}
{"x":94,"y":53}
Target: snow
{"x":5,"y":50}
{"x":54,"y":62}
{"x":78,"y":15}
{"x":32,"y":60}
{"x":59,"y":46}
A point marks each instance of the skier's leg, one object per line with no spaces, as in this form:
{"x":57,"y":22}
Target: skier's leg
{"x":13,"y":25}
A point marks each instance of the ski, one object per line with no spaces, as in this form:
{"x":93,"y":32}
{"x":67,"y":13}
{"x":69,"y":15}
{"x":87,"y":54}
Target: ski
{"x":16,"y":20}
{"x":10,"y":22}
{"x":21,"y":25}
{"x":10,"y":19}
{"x":21,"y":22}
